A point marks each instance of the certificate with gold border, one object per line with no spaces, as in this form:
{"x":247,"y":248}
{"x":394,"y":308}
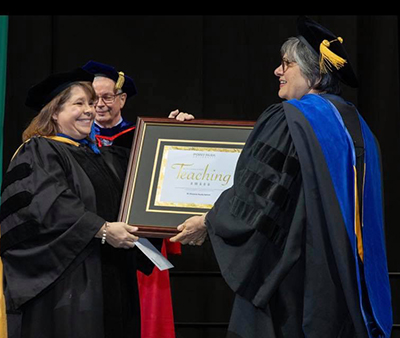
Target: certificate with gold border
{"x":179,"y":169}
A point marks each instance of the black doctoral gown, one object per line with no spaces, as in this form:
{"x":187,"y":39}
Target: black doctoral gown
{"x":279,"y":237}
{"x":59,"y":280}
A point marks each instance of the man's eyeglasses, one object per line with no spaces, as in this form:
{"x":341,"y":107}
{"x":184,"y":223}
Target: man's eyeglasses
{"x":107,"y":99}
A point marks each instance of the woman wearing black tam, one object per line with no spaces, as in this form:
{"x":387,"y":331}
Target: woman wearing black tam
{"x":69,"y":270}
{"x":299,"y":237}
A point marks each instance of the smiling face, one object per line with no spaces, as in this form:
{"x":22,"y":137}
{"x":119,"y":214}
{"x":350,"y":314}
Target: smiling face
{"x":292,"y":83}
{"x":108,"y":112}
{"x":76,"y":115}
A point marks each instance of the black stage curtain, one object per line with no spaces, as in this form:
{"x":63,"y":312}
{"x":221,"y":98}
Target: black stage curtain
{"x":214,"y":67}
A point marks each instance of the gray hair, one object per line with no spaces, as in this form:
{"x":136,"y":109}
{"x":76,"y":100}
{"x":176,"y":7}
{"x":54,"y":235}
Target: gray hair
{"x":118,"y":91}
{"x":307,"y":59}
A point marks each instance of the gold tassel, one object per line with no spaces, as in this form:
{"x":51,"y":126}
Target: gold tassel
{"x":357,"y":220}
{"x":121,"y":80}
{"x":329,"y":58}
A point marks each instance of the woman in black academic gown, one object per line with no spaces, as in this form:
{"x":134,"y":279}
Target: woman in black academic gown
{"x":69,"y":270}
{"x":299,"y":237}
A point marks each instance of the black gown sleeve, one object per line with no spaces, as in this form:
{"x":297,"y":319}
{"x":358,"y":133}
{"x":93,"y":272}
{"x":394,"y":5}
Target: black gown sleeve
{"x":256,"y":225}
{"x":45,"y":225}
{"x":117,"y":158}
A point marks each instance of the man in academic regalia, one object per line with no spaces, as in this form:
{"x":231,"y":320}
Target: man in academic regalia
{"x":300,"y":237}
{"x":114,"y":88}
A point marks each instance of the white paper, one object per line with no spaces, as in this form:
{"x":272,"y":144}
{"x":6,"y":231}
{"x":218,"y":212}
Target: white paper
{"x":153,"y":254}
{"x":195,"y":176}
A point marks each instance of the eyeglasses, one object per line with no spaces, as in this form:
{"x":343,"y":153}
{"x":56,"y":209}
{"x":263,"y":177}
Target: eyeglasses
{"x":285,"y":63}
{"x":107,"y":99}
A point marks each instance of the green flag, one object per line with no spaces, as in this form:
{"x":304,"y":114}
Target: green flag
{"x":3,"y":73}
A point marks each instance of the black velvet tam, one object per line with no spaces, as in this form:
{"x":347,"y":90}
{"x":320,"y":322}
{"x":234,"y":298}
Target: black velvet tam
{"x":100,"y":69}
{"x":327,"y":46}
{"x":42,"y":93}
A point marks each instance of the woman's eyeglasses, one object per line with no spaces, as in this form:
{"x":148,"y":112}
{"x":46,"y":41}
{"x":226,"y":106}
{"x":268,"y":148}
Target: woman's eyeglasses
{"x":285,"y":63}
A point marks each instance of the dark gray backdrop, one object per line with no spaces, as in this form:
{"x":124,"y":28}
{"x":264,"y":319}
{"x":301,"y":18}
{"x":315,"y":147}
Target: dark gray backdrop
{"x":214,"y":67}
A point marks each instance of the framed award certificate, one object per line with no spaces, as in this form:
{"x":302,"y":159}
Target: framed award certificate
{"x":179,"y":169}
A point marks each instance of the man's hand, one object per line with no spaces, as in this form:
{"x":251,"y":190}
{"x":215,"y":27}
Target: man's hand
{"x":180,"y":116}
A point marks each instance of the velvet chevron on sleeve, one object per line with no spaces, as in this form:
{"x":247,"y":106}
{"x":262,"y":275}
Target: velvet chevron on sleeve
{"x":299,"y":237}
